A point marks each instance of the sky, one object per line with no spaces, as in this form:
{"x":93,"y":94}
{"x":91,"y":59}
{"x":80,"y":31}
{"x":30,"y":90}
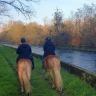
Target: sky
{"x":46,"y":8}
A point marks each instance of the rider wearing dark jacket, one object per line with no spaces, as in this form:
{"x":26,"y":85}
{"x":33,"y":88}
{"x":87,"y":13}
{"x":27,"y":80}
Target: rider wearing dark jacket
{"x":49,"y":49}
{"x":24,"y":51}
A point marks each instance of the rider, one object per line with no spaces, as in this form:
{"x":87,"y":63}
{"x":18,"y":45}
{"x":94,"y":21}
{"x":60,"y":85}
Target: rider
{"x":24,"y":51}
{"x":49,"y":48}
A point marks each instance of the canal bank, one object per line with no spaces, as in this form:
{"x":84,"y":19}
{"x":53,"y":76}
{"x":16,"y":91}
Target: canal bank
{"x":84,"y":74}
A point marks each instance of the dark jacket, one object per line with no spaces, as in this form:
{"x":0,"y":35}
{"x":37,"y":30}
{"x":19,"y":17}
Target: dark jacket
{"x":49,"y":48}
{"x":24,"y":51}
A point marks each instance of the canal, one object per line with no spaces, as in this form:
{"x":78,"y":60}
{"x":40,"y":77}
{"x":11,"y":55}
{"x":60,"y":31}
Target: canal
{"x":82,"y":59}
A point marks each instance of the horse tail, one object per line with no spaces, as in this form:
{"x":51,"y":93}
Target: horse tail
{"x":26,"y":80}
{"x":58,"y":78}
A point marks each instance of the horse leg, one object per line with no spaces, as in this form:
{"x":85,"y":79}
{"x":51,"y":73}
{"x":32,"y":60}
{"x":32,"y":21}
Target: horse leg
{"x":26,"y":81}
{"x":21,"y":82}
{"x":52,"y":79}
{"x":29,"y":70}
{"x":58,"y":79}
{"x":29,"y":73}
{"x":46,"y":74}
{"x":29,"y":76}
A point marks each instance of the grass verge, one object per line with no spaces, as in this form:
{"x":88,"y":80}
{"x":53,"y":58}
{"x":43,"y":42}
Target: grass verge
{"x":9,"y":85}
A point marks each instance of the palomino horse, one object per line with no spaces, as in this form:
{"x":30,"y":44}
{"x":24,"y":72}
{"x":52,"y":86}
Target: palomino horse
{"x":52,"y":64}
{"x":24,"y":74}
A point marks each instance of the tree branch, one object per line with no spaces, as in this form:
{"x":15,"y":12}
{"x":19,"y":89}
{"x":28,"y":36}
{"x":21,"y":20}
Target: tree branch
{"x":22,"y":7}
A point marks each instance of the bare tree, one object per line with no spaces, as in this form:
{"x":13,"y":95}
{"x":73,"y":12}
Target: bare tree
{"x":85,"y":23}
{"x":58,"y":18}
{"x":24,"y":7}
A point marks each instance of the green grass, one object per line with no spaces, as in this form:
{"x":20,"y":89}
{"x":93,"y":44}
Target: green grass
{"x":8,"y":80}
{"x":9,"y":84}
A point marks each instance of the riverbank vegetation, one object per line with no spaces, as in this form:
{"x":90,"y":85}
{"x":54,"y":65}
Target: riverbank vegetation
{"x":9,"y":83}
{"x":76,"y":32}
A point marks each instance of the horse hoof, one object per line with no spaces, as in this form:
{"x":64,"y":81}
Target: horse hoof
{"x":21,"y":93}
{"x":59,"y":90}
{"x":46,"y":78}
{"x":28,"y":94}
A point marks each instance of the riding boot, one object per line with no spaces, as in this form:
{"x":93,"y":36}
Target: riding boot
{"x":43,"y":62}
{"x":32,"y":64}
{"x":16,"y":66}
{"x":33,"y":67}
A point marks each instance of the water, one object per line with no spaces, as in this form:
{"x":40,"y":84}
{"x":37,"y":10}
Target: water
{"x":85,"y":60}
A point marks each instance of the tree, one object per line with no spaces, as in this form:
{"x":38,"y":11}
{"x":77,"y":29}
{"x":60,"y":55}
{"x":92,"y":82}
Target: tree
{"x":7,"y":26}
{"x":58,"y":17}
{"x":85,"y":23}
{"x":16,"y":31}
{"x":22,"y":6}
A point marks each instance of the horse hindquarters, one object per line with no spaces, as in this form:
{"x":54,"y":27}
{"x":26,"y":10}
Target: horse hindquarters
{"x":24,"y":71}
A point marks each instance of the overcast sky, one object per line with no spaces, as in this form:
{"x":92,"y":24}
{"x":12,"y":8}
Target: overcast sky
{"x":47,"y":7}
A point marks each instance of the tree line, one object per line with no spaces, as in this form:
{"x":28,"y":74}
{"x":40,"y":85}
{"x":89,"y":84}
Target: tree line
{"x":79,"y":30}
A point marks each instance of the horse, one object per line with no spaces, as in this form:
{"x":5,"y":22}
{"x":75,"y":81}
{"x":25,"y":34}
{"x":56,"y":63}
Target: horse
{"x":24,"y":68}
{"x":52,"y":64}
